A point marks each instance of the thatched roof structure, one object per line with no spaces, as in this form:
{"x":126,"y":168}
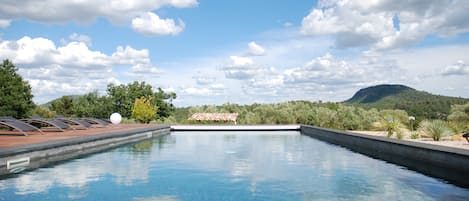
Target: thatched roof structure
{"x":214,"y":117}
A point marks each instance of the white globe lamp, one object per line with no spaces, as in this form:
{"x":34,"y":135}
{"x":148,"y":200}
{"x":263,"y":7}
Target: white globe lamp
{"x":115,"y":118}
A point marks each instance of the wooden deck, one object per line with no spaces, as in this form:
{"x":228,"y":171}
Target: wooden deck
{"x":36,"y":137}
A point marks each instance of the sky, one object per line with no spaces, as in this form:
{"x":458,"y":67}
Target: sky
{"x":256,"y":51}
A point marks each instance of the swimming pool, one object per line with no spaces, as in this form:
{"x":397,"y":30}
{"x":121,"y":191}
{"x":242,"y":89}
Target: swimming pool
{"x":227,"y":166}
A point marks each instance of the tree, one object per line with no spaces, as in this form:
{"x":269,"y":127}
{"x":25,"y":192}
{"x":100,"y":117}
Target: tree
{"x":93,"y":105}
{"x":63,"y":106}
{"x":164,"y":101}
{"x":123,"y":98}
{"x":15,"y":93}
{"x":143,"y":110}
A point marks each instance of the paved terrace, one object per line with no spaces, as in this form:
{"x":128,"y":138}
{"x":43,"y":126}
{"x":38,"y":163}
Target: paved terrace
{"x":36,"y":137}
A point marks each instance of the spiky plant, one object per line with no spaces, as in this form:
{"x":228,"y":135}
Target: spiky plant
{"x":391,"y":125}
{"x":436,"y":129}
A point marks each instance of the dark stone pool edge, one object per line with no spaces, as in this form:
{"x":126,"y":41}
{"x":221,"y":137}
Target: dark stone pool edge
{"x":41,"y":154}
{"x":447,"y":163}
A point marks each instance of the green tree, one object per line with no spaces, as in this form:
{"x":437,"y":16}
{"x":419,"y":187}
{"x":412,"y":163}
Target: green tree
{"x":93,"y":105}
{"x":63,"y":106}
{"x":164,"y":101}
{"x":143,"y":110}
{"x":459,"y":117}
{"x":15,"y":93}
{"x":123,"y":97}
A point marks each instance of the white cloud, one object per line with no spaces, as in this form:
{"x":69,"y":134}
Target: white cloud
{"x":85,"y":11}
{"x":4,"y":23}
{"x":326,"y":70}
{"x":255,"y":49}
{"x":240,"y":68}
{"x":371,"y":23}
{"x":459,"y":68}
{"x":78,"y":38}
{"x":151,"y":24}
{"x":241,"y":61}
{"x":129,"y":55}
{"x":204,"y":80}
{"x":72,"y":68}
{"x":145,"y":69}
{"x":217,"y":86}
{"x":197,"y":91}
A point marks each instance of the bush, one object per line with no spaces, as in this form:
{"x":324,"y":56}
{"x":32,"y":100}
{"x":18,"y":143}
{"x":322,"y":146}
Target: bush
{"x":128,"y":121}
{"x":459,"y":117}
{"x":144,"y":111}
{"x":414,"y":135}
{"x":43,"y":112}
{"x":435,"y":129}
{"x":391,"y":125}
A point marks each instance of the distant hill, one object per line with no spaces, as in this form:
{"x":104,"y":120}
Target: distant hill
{"x":416,"y":103}
{"x":74,"y":98}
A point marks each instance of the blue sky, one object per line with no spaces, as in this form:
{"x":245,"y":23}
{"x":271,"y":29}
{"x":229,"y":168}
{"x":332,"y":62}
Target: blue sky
{"x":212,"y":52}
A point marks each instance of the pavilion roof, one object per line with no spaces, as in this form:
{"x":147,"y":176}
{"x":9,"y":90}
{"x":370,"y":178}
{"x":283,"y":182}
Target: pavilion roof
{"x":214,"y":116}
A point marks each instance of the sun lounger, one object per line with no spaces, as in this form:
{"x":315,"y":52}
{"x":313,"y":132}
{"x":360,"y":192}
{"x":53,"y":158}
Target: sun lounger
{"x":94,"y":121}
{"x":81,"y":124}
{"x":18,"y":125}
{"x":50,"y":124}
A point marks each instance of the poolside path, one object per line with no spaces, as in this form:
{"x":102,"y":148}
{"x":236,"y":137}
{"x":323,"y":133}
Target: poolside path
{"x":35,"y":137}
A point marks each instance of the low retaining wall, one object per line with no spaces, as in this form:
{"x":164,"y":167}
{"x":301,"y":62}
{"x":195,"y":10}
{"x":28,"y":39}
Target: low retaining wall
{"x":32,"y":156}
{"x":450,"y":164}
{"x":235,"y":128}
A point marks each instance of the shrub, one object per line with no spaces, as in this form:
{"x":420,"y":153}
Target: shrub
{"x":43,"y":112}
{"x":414,"y":135}
{"x":144,"y":110}
{"x":391,"y":125}
{"x":435,"y":129}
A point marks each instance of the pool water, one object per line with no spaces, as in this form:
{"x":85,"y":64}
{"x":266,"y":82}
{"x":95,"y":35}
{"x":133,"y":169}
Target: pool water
{"x":227,"y":166}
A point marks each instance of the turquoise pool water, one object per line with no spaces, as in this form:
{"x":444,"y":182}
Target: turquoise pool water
{"x":227,"y":166}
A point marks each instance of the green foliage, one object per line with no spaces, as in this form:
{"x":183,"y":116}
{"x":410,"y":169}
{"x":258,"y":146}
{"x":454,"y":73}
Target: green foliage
{"x":459,"y":117}
{"x":143,"y":110}
{"x":43,"y":112}
{"x":123,"y":98}
{"x":414,"y":135}
{"x":436,"y":129}
{"x":120,"y":98}
{"x":128,"y":121}
{"x":93,"y":105}
{"x":15,"y":93}
{"x":329,"y":115}
{"x":390,"y":123}
{"x":63,"y":106}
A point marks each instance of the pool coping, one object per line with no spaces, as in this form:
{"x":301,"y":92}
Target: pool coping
{"x":235,"y":127}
